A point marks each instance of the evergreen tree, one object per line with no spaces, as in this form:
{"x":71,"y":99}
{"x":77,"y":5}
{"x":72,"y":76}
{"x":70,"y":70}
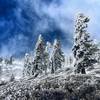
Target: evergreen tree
{"x":27,"y":66}
{"x":39,"y":59}
{"x":84,"y":49}
{"x":57,"y":58}
{"x":46,"y":57}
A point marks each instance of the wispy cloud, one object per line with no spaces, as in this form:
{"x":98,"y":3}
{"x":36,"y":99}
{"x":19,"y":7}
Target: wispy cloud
{"x":32,"y":17}
{"x":62,"y":12}
{"x":15,"y":46}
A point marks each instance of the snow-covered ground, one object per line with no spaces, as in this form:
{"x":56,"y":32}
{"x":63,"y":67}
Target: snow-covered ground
{"x":15,"y":69}
{"x":63,"y":82}
{"x":53,"y":87}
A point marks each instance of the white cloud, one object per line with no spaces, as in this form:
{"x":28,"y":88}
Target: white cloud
{"x":15,"y":45}
{"x":62,"y":14}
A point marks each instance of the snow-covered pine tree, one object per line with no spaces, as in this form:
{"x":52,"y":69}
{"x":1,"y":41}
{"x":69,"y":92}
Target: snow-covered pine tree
{"x":84,"y":49}
{"x":57,"y":58}
{"x":47,"y":57}
{"x":27,"y":66}
{"x":39,"y":58}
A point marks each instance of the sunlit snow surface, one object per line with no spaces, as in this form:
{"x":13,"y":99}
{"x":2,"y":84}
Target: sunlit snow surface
{"x":16,"y":69}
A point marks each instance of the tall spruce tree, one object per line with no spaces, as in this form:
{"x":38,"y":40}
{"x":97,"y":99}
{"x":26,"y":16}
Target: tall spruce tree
{"x":39,"y":58}
{"x":47,"y":57}
{"x":57,"y":58}
{"x":84,"y":49}
{"x":27,"y":66}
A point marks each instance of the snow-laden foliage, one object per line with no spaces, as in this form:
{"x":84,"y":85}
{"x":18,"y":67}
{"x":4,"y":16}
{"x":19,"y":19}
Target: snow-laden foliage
{"x":57,"y":58}
{"x":84,"y":49}
{"x":46,"y":57}
{"x":39,"y":63}
{"x":53,"y":87}
{"x":27,"y":66}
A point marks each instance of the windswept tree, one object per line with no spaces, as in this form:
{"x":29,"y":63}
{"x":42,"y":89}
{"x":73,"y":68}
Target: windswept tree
{"x":84,"y":49}
{"x":57,"y":58}
{"x":39,"y":58}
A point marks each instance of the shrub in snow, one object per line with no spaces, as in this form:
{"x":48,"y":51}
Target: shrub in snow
{"x":84,"y":49}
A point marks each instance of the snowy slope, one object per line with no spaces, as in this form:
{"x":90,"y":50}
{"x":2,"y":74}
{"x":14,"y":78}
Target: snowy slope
{"x":53,"y":87}
{"x":16,"y":69}
{"x":63,"y":85}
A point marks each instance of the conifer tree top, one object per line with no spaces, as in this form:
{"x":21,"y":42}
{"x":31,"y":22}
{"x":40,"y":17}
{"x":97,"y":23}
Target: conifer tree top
{"x":40,"y":38}
{"x":56,"y":43}
{"x":81,"y":23}
{"x":48,"y":45}
{"x":40,"y":42}
{"x":82,"y":18}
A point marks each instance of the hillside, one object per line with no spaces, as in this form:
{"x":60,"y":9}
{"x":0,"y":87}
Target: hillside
{"x":53,"y":87}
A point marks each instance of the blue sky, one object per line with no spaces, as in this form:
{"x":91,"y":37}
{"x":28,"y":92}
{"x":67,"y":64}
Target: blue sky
{"x":21,"y":21}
